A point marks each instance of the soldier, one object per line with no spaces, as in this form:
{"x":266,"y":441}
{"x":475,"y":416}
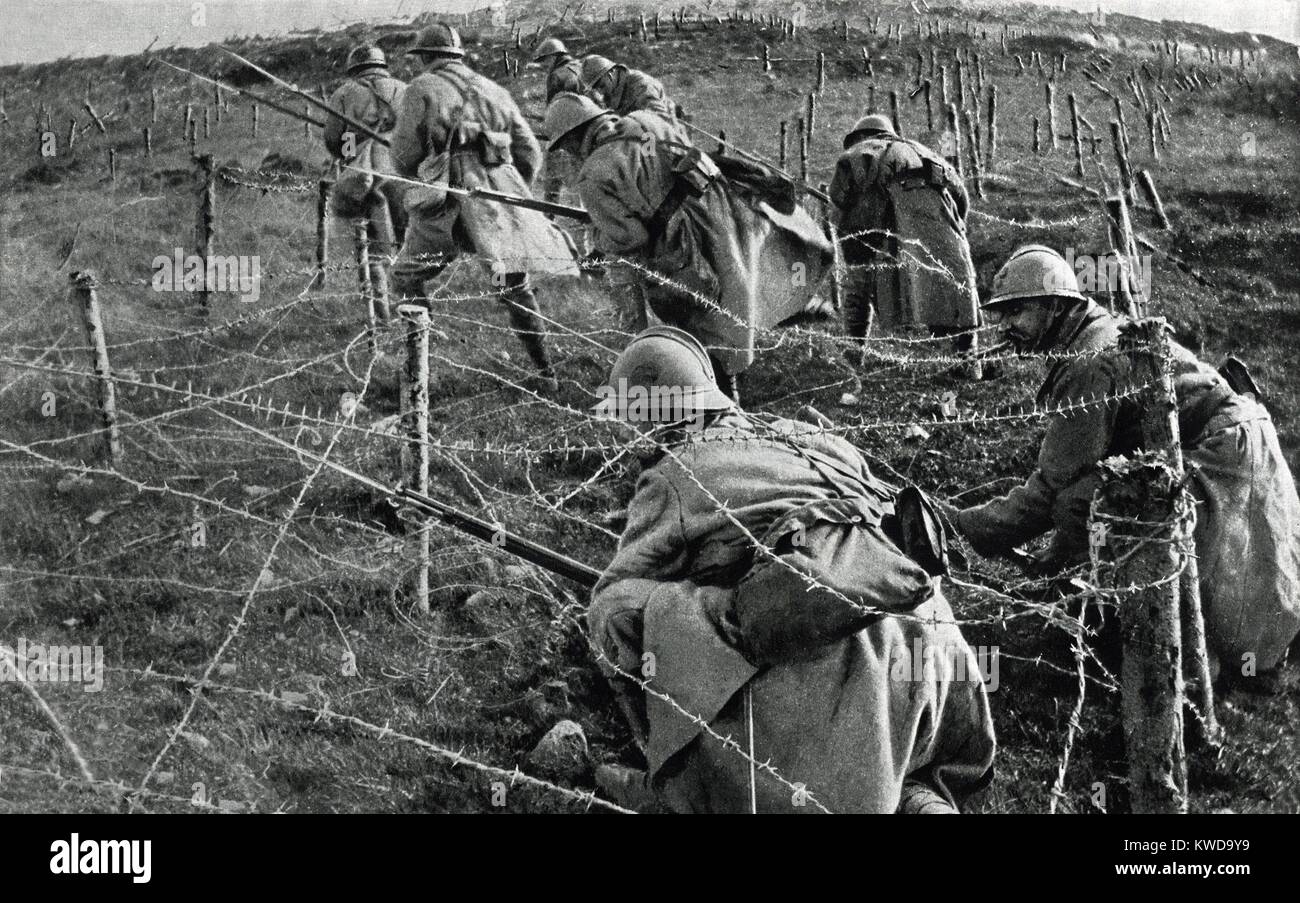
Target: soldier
{"x":901,"y":214}
{"x":563,"y":73}
{"x":461,"y":129}
{"x":716,"y":260}
{"x":828,"y":685}
{"x":623,"y":90}
{"x":370,"y":96}
{"x":1248,"y":515}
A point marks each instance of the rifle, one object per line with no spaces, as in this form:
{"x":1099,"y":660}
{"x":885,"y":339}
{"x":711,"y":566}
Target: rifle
{"x":487,"y":194}
{"x":490,"y":533}
{"x":315,"y":101}
{"x":296,"y":114}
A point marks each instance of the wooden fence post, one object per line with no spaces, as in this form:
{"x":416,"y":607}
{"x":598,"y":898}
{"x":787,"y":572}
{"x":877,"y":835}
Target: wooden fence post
{"x":802,"y":135}
{"x":1049,"y":92}
{"x":148,"y":141}
{"x":1142,"y":492}
{"x":893,"y":113}
{"x":954,"y":130}
{"x":929,"y":106}
{"x":205,"y":226}
{"x":974,"y":145}
{"x":83,"y":287}
{"x":324,"y":189}
{"x":1074,"y":136}
{"x":415,"y":405}
{"x":1121,"y":158}
{"x":781,"y":145}
{"x":993,"y":125}
{"x":1120,"y":229}
{"x":1148,"y":187}
{"x":256,"y":118}
{"x":153,"y":106}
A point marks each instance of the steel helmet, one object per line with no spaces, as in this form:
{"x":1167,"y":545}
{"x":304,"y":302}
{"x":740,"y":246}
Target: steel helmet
{"x":1034,"y":271}
{"x":595,"y":67}
{"x":366,"y":56}
{"x":873,"y":123}
{"x":567,"y":112}
{"x":438,"y":39}
{"x":663,"y":376}
{"x":549,"y":47}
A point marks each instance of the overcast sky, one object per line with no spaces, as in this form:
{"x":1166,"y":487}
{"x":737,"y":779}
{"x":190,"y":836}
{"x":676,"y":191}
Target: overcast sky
{"x":39,"y":30}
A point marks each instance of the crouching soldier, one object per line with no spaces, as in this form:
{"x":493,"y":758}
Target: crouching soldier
{"x":371,"y":97}
{"x":616,"y":87}
{"x":760,"y":593}
{"x":716,"y":259}
{"x":563,"y":74}
{"x":1248,"y":515}
{"x":901,"y":214}
{"x":457,"y":128}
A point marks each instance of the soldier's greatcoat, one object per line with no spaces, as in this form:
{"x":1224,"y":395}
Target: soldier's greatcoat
{"x":462,"y":129}
{"x":373,"y":99}
{"x":1248,"y":516}
{"x":724,"y":266}
{"x":850,"y":720}
{"x":634,"y":90}
{"x":902,"y":217}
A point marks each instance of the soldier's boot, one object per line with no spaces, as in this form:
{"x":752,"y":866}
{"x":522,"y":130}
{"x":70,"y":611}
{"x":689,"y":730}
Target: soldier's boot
{"x":919,"y":798}
{"x":627,"y":787}
{"x":527,"y":324}
{"x":859,"y":318}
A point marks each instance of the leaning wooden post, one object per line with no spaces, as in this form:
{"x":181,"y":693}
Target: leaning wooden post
{"x":1148,"y":187}
{"x":415,"y":405}
{"x":205,"y":226}
{"x":1037,"y":141}
{"x":306,"y":121}
{"x":1151,"y":133}
{"x":928,"y":87}
{"x":821,"y":71}
{"x":153,"y":106}
{"x":256,"y":118}
{"x":148,"y":141}
{"x":1121,"y":158}
{"x":112,"y":165}
{"x":323,"y":190}
{"x":99,"y":123}
{"x":893,"y":113}
{"x":1120,"y":229}
{"x":781,"y":145}
{"x":83,"y":287}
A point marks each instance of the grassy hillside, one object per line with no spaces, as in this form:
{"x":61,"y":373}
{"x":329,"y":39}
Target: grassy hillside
{"x":295,"y":600}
